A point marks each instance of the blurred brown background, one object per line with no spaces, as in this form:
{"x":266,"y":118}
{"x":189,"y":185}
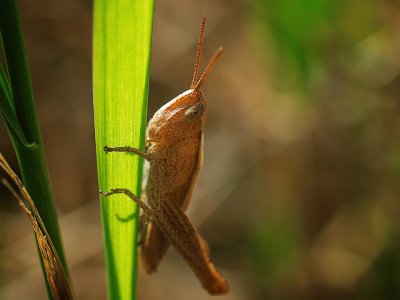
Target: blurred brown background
{"x":299,"y":193}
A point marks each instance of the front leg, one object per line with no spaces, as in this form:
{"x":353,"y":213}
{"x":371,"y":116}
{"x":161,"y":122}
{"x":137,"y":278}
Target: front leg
{"x":145,"y":155}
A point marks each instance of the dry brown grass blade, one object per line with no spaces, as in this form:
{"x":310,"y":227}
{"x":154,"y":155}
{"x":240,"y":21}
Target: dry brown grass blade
{"x":56,"y":276}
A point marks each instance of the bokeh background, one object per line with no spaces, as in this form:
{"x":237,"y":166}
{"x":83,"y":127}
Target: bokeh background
{"x":299,"y":193}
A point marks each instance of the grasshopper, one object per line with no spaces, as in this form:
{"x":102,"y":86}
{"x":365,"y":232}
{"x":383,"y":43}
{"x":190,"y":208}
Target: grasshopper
{"x":174,"y":144}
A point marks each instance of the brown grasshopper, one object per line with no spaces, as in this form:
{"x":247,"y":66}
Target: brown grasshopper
{"x":174,"y":143}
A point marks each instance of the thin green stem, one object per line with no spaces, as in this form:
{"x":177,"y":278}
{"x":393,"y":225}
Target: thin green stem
{"x":22,"y":122}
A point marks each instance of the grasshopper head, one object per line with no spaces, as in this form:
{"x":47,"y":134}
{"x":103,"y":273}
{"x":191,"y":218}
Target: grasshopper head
{"x":184,"y":116}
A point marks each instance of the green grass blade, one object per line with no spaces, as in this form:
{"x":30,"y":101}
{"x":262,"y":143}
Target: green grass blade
{"x":121,"y":46}
{"x":18,"y":109}
{"x":7,"y":110}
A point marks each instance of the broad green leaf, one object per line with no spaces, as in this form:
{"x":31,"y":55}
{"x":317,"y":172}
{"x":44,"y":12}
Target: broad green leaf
{"x":121,"y":55}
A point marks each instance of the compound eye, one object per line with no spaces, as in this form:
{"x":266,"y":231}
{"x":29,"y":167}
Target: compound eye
{"x":194,"y":113}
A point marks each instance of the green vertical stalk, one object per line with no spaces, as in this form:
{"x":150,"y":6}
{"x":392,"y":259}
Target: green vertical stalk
{"x":19,"y":112}
{"x":121,"y":54}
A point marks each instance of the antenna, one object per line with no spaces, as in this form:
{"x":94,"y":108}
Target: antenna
{"x":208,"y":69}
{"x":199,"y":51}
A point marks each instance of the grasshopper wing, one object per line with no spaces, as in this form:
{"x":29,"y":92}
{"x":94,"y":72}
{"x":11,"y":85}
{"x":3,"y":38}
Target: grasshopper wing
{"x":155,"y":244}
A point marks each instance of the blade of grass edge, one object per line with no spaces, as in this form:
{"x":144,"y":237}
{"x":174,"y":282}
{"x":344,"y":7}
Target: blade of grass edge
{"x":7,"y":110}
{"x":121,"y":55}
